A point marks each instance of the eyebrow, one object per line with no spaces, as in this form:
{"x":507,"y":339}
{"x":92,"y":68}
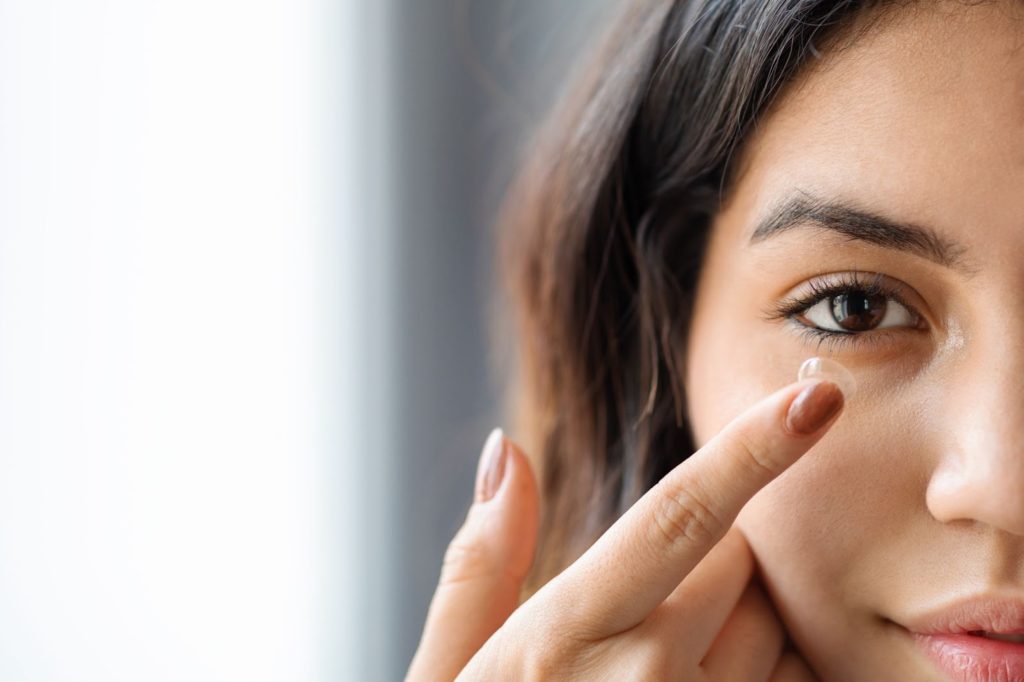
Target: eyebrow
{"x":839,"y":217}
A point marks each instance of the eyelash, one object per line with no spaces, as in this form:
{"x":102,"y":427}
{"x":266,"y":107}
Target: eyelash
{"x":789,"y":308}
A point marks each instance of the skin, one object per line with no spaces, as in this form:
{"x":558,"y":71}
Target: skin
{"x":910,"y":497}
{"x":914,"y":497}
{"x":665,"y":593}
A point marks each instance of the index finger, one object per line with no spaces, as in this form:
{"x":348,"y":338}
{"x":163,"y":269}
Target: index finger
{"x":648,"y":551}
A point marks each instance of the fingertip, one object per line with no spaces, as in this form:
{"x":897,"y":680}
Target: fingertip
{"x":733,"y":550}
{"x":491,"y":466}
{"x":519,"y":496}
{"x":519,"y":486}
{"x":814,"y":407}
{"x":506,"y":476}
{"x":523,"y":474}
{"x":734,"y":545}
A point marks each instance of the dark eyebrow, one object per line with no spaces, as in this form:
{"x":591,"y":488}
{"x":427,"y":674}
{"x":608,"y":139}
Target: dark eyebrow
{"x":805,"y":210}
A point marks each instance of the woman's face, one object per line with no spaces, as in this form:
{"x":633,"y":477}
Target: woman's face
{"x":915,"y":498}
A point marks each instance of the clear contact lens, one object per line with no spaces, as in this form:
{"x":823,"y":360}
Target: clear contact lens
{"x":823,"y":368}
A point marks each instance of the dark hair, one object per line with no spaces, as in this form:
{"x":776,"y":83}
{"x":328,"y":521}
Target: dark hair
{"x":602,"y":236}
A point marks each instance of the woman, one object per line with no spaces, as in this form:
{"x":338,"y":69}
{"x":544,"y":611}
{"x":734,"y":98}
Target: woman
{"x":731,"y":188}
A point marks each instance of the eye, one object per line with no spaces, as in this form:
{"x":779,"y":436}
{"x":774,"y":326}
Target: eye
{"x":858,"y":311}
{"x":846,"y":308}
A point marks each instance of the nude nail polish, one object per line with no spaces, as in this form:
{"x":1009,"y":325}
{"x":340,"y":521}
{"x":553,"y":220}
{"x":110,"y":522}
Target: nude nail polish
{"x":491,"y":467}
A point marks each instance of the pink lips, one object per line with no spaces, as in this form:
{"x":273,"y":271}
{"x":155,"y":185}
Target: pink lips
{"x":951,"y":637}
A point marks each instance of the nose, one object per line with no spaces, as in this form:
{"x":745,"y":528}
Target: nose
{"x":980,"y":474}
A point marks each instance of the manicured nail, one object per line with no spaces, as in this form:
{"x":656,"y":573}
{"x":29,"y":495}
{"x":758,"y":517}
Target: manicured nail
{"x":813,"y":407}
{"x":823,"y":368}
{"x":491,"y":468}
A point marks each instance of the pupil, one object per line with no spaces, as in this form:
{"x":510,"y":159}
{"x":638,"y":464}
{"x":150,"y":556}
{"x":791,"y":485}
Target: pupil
{"x":857,"y":311}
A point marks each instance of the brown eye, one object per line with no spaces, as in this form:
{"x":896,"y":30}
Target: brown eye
{"x":858,"y":311}
{"x":855,"y":311}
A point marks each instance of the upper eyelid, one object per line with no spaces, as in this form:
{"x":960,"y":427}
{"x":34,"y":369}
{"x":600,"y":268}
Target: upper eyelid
{"x":844,"y":281}
{"x":814,"y":298}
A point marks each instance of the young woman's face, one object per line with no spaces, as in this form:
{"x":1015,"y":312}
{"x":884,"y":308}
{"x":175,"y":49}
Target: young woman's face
{"x":914,"y":500}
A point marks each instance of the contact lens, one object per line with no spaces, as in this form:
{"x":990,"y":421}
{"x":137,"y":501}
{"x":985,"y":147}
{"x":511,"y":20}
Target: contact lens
{"x":823,"y":368}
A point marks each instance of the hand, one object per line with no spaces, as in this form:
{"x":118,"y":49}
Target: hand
{"x":665,"y":593}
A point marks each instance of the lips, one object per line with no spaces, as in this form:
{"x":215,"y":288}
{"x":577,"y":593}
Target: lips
{"x":975,"y":640}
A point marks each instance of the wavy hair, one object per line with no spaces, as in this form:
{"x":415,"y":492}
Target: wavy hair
{"x":602,"y":235}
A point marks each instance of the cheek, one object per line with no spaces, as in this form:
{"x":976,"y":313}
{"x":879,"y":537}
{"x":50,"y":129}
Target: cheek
{"x":730,"y":367}
{"x":828,"y":532}
{"x":733,"y":359}
{"x":825,"y":533}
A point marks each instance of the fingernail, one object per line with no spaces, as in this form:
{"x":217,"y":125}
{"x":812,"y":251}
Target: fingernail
{"x":813,"y":407}
{"x":491,"y":468}
{"x":823,"y":368}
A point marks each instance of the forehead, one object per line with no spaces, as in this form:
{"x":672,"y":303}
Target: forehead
{"x":923,"y":114}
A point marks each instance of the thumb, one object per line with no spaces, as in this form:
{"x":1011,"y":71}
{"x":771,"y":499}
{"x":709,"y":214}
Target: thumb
{"x":485,"y":563}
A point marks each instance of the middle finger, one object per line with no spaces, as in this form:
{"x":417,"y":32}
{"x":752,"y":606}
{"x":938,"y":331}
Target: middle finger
{"x":750,"y":643}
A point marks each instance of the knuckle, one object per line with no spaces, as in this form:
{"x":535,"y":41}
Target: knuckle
{"x":650,"y":656}
{"x":683,"y":516}
{"x":660,"y":664}
{"x":755,"y":455}
{"x":465,"y":560}
{"x":553,"y":649}
{"x":559,"y":660}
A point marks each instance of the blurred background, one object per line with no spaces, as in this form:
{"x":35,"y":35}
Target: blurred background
{"x":244,"y":367}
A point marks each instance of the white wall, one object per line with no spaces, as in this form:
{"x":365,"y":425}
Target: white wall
{"x":171,"y":177}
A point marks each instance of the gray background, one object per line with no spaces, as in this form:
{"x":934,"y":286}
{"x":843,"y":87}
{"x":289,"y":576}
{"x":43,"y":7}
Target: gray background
{"x":470,"y":79}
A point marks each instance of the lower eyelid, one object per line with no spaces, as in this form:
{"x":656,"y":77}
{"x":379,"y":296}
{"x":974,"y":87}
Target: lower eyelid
{"x":847,"y":340}
{"x":855,"y":341}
